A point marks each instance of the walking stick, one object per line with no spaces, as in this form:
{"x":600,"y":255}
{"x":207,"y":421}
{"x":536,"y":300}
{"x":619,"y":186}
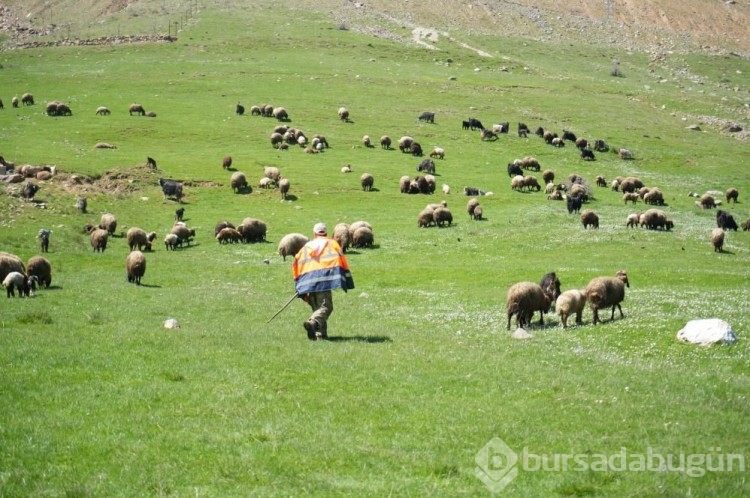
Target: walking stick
{"x":283,"y":307}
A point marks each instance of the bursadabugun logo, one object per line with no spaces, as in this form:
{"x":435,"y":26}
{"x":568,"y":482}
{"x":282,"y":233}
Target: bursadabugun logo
{"x":496,"y":465}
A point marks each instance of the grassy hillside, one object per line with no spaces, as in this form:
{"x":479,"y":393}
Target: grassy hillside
{"x":101,"y":400}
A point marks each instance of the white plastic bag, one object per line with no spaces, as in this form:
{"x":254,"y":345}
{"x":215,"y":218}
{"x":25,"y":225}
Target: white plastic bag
{"x":707,"y":331}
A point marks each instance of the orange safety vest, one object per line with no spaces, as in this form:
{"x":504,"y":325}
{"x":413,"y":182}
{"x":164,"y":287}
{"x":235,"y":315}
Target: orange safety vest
{"x":321,"y":266}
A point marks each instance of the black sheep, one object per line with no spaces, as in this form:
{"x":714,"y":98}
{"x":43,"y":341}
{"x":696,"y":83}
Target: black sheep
{"x":29,"y":190}
{"x":171,"y":188}
{"x":240,"y":109}
{"x":574,"y":204}
{"x":725,"y":221}
{"x":514,"y":169}
{"x":428,"y":117}
{"x":587,"y":155}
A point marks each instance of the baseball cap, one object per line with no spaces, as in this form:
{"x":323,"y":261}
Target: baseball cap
{"x":320,"y":229}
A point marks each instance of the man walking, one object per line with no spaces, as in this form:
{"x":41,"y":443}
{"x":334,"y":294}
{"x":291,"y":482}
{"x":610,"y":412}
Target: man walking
{"x":318,"y":268}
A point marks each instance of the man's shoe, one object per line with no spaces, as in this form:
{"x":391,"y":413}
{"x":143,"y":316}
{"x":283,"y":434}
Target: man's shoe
{"x":310,"y":329}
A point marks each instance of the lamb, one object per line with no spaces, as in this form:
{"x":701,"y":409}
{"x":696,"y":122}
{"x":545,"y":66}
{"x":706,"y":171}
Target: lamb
{"x":446,"y":189}
{"x":291,"y":243}
{"x":367,"y":181}
{"x":98,"y":238}
{"x":221,"y":226}
{"x":601,"y":181}
{"x":108,"y":222}
{"x":404,"y":184}
{"x":589,"y":219}
{"x":438,"y":152}
{"x":347,"y":168}
{"x":238,"y":182}
{"x":102,"y":111}
{"x":135,"y":264}
{"x":29,"y":190}
{"x":17,"y":281}
{"x":228,"y":235}
{"x":41,"y":269}
{"x":557,"y":142}
{"x":574,"y":204}
{"x":385,"y":142}
{"x":746,"y":225}
{"x":43,"y":237}
{"x":524,"y":299}
{"x":731,"y":195}
{"x":342,"y":236}
{"x":442,"y":215}
{"x":284,"y":187}
{"x":179,"y":213}
{"x":478,"y":212}
{"x":570,"y":302}
{"x":226,"y":163}
{"x":717,"y":239}
{"x":139,"y":239}
{"x":603,"y":292}
{"x":625,"y":154}
{"x":266,"y":183}
{"x":252,"y":230}
{"x":344,"y":114}
{"x":633,"y":220}
{"x":630,"y":196}
{"x":14,"y":102}
{"x":473,"y":203}
{"x":725,"y":221}
{"x":363,"y":237}
{"x":171,"y":241}
{"x":184,"y":233}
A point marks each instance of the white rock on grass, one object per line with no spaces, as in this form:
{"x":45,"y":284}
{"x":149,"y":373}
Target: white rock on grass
{"x":171,"y":323}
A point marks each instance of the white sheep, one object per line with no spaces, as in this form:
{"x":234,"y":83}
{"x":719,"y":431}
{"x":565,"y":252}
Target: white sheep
{"x":446,"y":189}
{"x":19,"y":281}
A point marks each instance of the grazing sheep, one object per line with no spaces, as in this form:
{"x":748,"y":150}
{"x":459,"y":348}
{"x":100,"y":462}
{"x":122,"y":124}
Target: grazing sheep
{"x":517,"y":183}
{"x":428,"y":166}
{"x":10,"y":263}
{"x":654,"y":196}
{"x":425,"y":218}
{"x":601,"y":146}
{"x":731,"y":195}
{"x":588,"y":155}
{"x":252,"y":230}
{"x":725,"y":221}
{"x":29,"y":190}
{"x":746,"y":225}
{"x":570,"y":302}
{"x":404,"y":184}
{"x":530,"y":163}
{"x":514,"y":168}
{"x":557,"y":142}
{"x":178,"y":214}
{"x":615,"y":185}
{"x":17,"y":281}
{"x":291,"y":243}
{"x":717,"y":239}
{"x":707,"y":201}
{"x":404,"y":143}
{"x":135,"y":265}
{"x":277,"y":140}
{"x":630,"y":184}
{"x":603,"y":292}
{"x":438,"y":152}
{"x":428,"y":117}
{"x":183,"y":232}
{"x":344,"y":114}
{"x":228,"y":235}
{"x":478,"y":213}
{"x":367,"y":181}
{"x":581,"y":143}
{"x":238,"y":182}
{"x":366,"y":141}
{"x":239,"y":109}
{"x":266,"y":183}
{"x":342,"y":236}
{"x":574,"y":203}
{"x":41,"y":269}
{"x":416,"y":149}
{"x":446,"y":189}
{"x":272,"y":172}
{"x":530,"y":182}
{"x":630,"y":196}
{"x":98,"y":238}
{"x":524,"y":299}
{"x":589,"y":219}
{"x":625,"y":154}
{"x":385,"y":142}
{"x":284,"y":187}
{"x":442,"y":215}
{"x":137,"y":109}
{"x":633,"y":220}
{"x":102,"y":111}
{"x":362,"y":238}
{"x":151,"y":162}
{"x":655,"y":219}
{"x":473,"y":203}
{"x":486,"y":134}
{"x":601,"y":181}
{"x":108,"y":222}
{"x":150,"y":114}
{"x":226,"y":163}
{"x":171,"y":188}
{"x":171,"y":241}
{"x":14,"y":102}
{"x":356,"y":225}
{"x":139,"y":239}
{"x":222,"y":225}
{"x":551,"y":286}
{"x":255,"y":110}
{"x":548,"y":176}
{"x":27,"y":99}
{"x":280,"y":113}
{"x":555,"y":196}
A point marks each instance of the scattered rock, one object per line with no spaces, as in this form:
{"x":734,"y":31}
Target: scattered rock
{"x":520,"y":333}
{"x":171,"y":323}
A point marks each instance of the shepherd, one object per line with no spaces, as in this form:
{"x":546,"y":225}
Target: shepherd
{"x":319,"y":268}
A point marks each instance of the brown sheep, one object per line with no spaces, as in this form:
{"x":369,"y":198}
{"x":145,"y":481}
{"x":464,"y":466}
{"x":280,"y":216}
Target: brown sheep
{"x":139,"y":239}
{"x":717,"y":239}
{"x":363,"y":237}
{"x":238,"y":182}
{"x":548,"y":176}
{"x":344,"y":114}
{"x":284,"y":187}
{"x":707,"y":202}
{"x":633,"y":220}
{"x":731,"y":195}
{"x":10,"y":263}
{"x":40,"y":268}
{"x":367,"y":181}
{"x":226,"y":163}
{"x":385,"y":142}
{"x":630,"y":196}
{"x":291,"y":243}
{"x":473,"y":203}
{"x":589,"y":219}
{"x":108,"y":222}
{"x":252,"y":230}
{"x":98,"y":238}
{"x":603,"y":292}
{"x":135,"y":264}
{"x":442,"y":215}
{"x":228,"y":235}
{"x":137,"y":109}
{"x":342,"y":236}
{"x":601,"y":181}
{"x":438,"y":152}
{"x":524,"y":299}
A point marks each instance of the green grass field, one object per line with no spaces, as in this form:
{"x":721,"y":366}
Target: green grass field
{"x":99,"y":400}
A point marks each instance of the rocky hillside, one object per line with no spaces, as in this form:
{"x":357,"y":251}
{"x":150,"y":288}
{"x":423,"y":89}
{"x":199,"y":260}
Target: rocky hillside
{"x":713,"y":26}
